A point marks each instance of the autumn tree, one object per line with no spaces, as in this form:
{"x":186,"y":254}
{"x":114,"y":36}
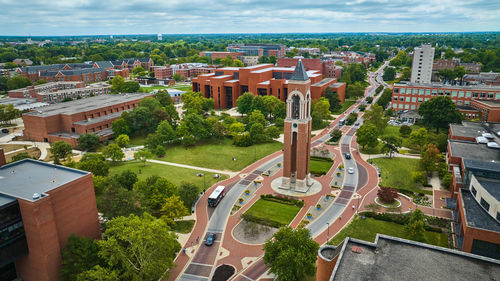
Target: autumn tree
{"x":387,"y":195}
{"x":430,"y":158}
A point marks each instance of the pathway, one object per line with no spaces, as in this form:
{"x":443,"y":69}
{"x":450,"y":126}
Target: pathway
{"x":231,"y":174}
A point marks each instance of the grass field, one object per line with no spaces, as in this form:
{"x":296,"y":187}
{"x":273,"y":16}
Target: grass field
{"x":181,"y":87}
{"x":281,"y":213}
{"x":152,"y":88}
{"x":174,"y":174}
{"x":218,"y":154}
{"x":366,"y":229}
{"x":320,"y":166}
{"x":396,"y":173}
{"x":137,"y":140}
{"x":345,"y":106}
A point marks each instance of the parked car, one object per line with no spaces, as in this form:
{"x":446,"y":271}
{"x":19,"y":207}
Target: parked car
{"x":356,"y":124}
{"x":350,"y":170}
{"x":347,"y":155}
{"x":5,"y":130}
{"x":210,"y":239}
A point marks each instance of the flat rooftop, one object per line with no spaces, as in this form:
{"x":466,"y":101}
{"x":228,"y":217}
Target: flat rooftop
{"x":444,"y":86}
{"x":468,"y":129}
{"x":86,"y":105}
{"x":491,"y":185}
{"x":492,"y":103}
{"x":323,"y":82}
{"x":23,"y":178}
{"x":391,"y":258}
{"x":475,"y":215}
{"x":472,"y":150}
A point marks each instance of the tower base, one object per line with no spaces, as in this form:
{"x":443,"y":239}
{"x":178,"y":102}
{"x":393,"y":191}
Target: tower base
{"x":291,"y":189}
{"x":296,"y":184}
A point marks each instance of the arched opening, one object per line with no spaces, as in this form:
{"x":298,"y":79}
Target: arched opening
{"x":295,"y":107}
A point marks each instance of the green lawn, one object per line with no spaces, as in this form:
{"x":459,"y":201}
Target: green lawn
{"x":278,"y":212}
{"x":181,"y":87}
{"x":175,"y":174}
{"x":396,"y":173}
{"x":345,"y":105}
{"x":183,"y":226}
{"x":366,"y":229}
{"x":218,"y":154}
{"x":152,"y":88}
{"x":320,"y":166}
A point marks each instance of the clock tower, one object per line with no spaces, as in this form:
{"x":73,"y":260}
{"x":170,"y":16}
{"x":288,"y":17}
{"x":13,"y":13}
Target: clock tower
{"x":297,"y":132}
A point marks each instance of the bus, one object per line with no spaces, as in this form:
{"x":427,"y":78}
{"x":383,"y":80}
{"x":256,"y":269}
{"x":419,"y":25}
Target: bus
{"x":341,"y":122}
{"x":216,"y":196}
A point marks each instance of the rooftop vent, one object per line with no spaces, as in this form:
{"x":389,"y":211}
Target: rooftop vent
{"x":481,"y":140}
{"x":488,"y":135}
{"x":36,"y":196}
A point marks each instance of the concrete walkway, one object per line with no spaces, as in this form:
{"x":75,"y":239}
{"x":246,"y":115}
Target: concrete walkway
{"x":231,"y":174}
{"x":394,"y":155}
{"x":43,"y":146}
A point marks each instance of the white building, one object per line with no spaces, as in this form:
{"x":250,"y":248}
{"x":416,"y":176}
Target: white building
{"x":160,"y":37}
{"x":421,"y":70}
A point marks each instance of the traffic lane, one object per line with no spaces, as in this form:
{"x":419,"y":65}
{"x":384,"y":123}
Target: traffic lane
{"x":257,"y":270}
{"x":362,"y":176}
{"x":198,"y":270}
{"x":329,"y":216}
{"x":206,"y":254}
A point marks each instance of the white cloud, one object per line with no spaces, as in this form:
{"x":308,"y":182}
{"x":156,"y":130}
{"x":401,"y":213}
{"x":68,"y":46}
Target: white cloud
{"x":65,"y":17}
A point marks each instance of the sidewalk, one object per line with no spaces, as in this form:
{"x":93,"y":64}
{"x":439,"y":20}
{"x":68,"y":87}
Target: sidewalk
{"x":231,"y":174}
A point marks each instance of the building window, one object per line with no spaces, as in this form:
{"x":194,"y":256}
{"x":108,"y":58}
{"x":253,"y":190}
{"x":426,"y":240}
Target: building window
{"x":468,"y":94}
{"x":485,"y":204}
{"x":396,"y":98}
{"x":296,"y":107}
{"x":475,"y":95}
{"x":473,"y":189}
{"x":483,"y":95}
{"x":490,"y":95}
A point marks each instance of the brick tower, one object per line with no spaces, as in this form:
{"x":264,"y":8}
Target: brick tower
{"x":297,"y":131}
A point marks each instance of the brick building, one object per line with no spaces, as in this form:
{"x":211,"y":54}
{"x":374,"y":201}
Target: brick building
{"x":355,"y":259}
{"x":226,"y":84}
{"x":220,"y":55}
{"x":487,"y":78}
{"x":410,"y":95}
{"x":188,"y":70}
{"x":55,"y":92}
{"x":327,"y":68}
{"x":259,"y":50}
{"x":67,"y":121}
{"x":474,"y":161}
{"x":41,"y":205}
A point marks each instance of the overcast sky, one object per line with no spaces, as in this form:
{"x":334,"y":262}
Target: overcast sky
{"x":88,"y":17}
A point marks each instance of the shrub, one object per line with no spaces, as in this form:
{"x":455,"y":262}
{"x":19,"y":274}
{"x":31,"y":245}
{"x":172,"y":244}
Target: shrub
{"x":242,"y":140}
{"x":335,"y":135}
{"x":247,"y":191}
{"x":419,"y":177}
{"x":387,"y":194}
{"x":405,"y":131}
{"x":283,"y":200}
{"x":160,"y":151}
{"x":318,"y":206}
{"x":447,"y":181}
{"x":309,"y":215}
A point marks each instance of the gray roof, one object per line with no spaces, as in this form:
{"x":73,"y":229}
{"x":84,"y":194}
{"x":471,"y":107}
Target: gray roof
{"x":323,"y":82}
{"x":299,"y":74}
{"x":4,"y":200}
{"x":468,"y":129}
{"x":23,"y":178}
{"x":86,"y":105}
{"x":482,"y":165}
{"x":104,"y":64}
{"x":475,"y":215}
{"x":491,"y":185}
{"x":472,"y":150}
{"x":391,"y":258}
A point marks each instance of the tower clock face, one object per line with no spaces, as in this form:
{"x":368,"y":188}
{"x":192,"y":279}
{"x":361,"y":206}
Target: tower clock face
{"x":295,"y":125}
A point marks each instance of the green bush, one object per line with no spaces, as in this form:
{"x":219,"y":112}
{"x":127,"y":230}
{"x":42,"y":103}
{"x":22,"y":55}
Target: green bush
{"x":283,"y":200}
{"x":243,"y":139}
{"x":403,"y":219}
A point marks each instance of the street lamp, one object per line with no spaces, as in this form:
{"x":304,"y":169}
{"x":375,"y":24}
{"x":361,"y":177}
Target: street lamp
{"x":204,"y":181}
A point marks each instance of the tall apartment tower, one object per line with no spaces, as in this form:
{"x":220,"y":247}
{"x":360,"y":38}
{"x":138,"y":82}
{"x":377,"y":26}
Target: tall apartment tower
{"x":421,"y":70}
{"x":297,"y":132}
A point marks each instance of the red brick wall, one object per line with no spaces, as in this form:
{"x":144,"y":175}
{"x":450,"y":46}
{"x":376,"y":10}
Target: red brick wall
{"x":50,"y":220}
{"x":309,"y":64}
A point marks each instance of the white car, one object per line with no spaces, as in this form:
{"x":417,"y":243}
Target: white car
{"x":350,"y":170}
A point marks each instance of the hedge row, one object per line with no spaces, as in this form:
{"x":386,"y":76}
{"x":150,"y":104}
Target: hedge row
{"x":263,"y":221}
{"x":283,"y":200}
{"x":400,"y":219}
{"x":324,"y":159}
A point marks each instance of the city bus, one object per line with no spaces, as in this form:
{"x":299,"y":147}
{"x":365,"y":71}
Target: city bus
{"x":341,"y":122}
{"x":216,"y":196}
